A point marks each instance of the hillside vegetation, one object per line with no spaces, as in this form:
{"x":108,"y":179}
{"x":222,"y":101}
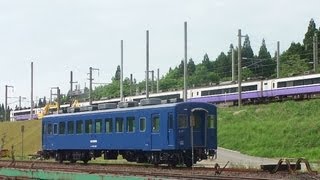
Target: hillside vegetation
{"x":287,"y":129}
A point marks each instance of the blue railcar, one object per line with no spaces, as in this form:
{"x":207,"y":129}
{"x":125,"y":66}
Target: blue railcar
{"x":157,"y":134}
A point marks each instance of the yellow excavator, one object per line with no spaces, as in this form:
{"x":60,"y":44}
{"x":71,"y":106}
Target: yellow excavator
{"x":52,"y":108}
{"x":49,"y":108}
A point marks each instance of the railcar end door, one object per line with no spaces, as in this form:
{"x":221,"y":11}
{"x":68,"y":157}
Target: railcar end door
{"x":199,"y":122}
{"x":170,"y":135}
{"x":155,"y":132}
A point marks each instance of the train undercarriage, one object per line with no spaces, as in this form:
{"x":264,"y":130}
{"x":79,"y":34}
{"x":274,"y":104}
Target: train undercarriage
{"x":171,"y":158}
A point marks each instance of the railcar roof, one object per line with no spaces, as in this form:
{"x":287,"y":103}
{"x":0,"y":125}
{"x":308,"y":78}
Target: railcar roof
{"x":118,"y":109}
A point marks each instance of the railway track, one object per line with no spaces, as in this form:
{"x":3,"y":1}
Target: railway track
{"x":149,"y":171}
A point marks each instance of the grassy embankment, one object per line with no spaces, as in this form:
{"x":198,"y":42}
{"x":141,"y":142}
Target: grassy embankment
{"x":11,"y":132}
{"x":288,"y":129}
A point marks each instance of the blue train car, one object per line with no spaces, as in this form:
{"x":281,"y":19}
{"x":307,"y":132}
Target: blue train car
{"x":157,"y":134}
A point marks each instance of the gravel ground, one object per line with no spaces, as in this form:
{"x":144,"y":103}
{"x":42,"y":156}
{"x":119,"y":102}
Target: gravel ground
{"x":237,"y":160}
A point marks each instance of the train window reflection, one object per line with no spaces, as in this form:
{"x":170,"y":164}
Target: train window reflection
{"x":130,"y":124}
{"x":62,"y":127}
{"x":88,"y":126}
{"x":49,"y":128}
{"x":109,"y":125}
{"x":119,"y":124}
{"x":98,"y":126}
{"x":79,"y":127}
{"x":211,"y":121}
{"x":182,"y":121}
{"x":70,"y":127}
{"x":142,"y":124}
{"x":156,"y":123}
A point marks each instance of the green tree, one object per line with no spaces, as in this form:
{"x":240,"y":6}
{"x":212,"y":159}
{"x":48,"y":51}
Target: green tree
{"x":222,"y":65}
{"x":117,"y":75}
{"x":191,"y":67}
{"x":308,"y":37}
{"x":267,"y":66}
{"x":181,"y":69}
{"x":207,"y":63}
{"x":292,"y":65}
{"x":308,"y":41}
{"x":247,"y":55}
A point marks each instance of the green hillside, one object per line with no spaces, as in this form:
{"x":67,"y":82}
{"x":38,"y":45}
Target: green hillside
{"x":287,"y":129}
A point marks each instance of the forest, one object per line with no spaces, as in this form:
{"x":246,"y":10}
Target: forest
{"x":296,"y":60}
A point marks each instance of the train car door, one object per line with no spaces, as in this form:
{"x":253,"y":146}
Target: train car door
{"x":170,"y":135}
{"x":155,"y":132}
{"x":198,"y":120}
{"x":49,"y":138}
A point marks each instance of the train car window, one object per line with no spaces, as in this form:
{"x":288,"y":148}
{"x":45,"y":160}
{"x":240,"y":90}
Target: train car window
{"x":108,"y":125}
{"x":88,"y":126}
{"x":98,"y":126}
{"x":170,"y":120}
{"x":316,"y":80}
{"x":49,"y":128}
{"x":289,"y":83}
{"x":298,"y":83}
{"x":62,"y":127}
{"x":156,"y":123}
{"x":55,"y":128}
{"x":182,"y":121}
{"x":308,"y":81}
{"x":272,"y":85}
{"x":70,"y":127}
{"x":282,"y":84}
{"x":249,"y":88}
{"x":197,"y":121}
{"x":119,"y":124}
{"x":211,"y":121}
{"x":204,"y":93}
{"x":79,"y":128}
{"x":130,"y":124}
{"x":142,"y":124}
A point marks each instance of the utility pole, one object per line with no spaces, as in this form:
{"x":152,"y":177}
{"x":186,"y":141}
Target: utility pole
{"x":6,"y":101}
{"x":90,"y":83}
{"x":233,"y":65}
{"x":31,"y":99}
{"x":185,"y":65}
{"x":278,"y":59}
{"x":315,"y":52}
{"x":71,"y":83}
{"x":131,"y":84}
{"x":57,"y":95}
{"x":19,"y":102}
{"x":152,"y":80}
{"x":121,"y":73}
{"x":147,"y":64}
{"x":239,"y":67}
{"x":158,"y":78}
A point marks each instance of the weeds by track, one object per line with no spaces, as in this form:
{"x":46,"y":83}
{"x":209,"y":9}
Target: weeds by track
{"x":150,"y":171}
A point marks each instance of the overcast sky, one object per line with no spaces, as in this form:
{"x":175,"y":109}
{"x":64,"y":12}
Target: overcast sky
{"x":60,"y":36}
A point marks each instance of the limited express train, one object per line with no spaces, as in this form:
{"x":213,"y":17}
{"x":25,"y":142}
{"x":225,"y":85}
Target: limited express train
{"x":157,"y":134}
{"x":258,"y":90}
